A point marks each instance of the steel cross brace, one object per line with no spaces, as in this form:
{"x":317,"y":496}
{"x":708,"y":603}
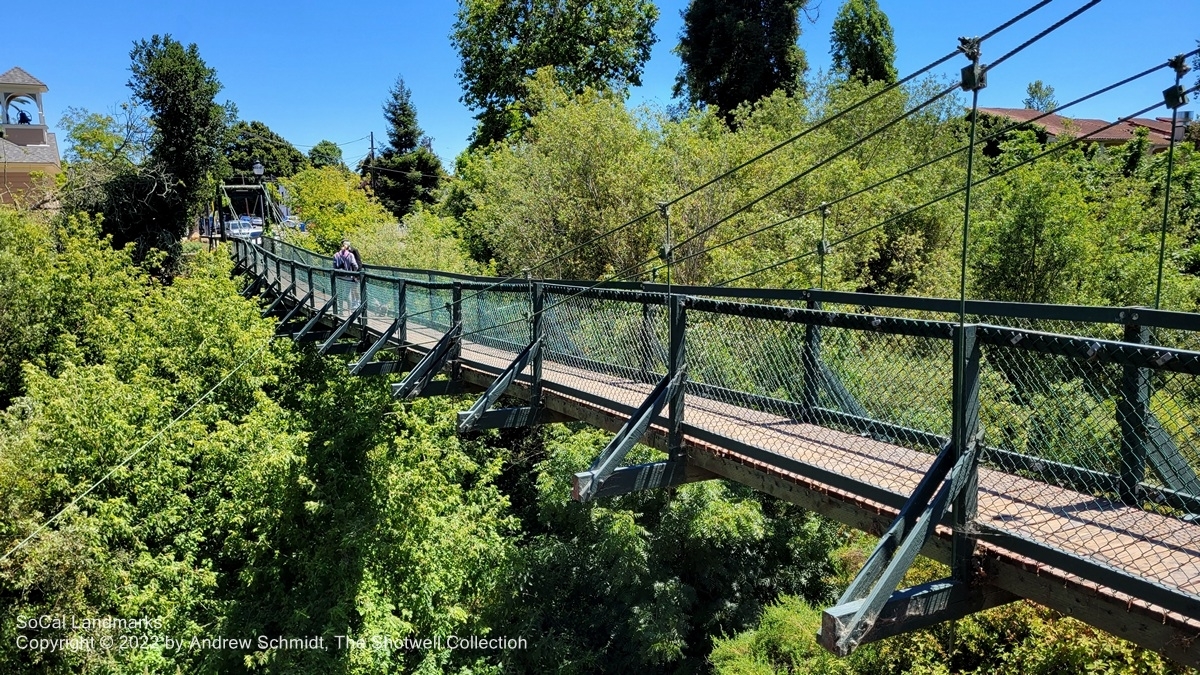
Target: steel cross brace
{"x":848,"y":624}
{"x":278,"y":299}
{"x":306,"y":334}
{"x":587,"y":485}
{"x":287,"y":318}
{"x":366,"y":366}
{"x":418,"y":380}
{"x":253,"y":287}
{"x":479,"y":415}
{"x":330,"y":346}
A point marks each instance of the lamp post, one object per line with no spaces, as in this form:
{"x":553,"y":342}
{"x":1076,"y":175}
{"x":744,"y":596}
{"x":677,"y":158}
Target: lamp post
{"x":258,"y":171}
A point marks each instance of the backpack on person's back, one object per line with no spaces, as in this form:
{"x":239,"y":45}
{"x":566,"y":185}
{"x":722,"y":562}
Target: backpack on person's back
{"x":345,"y":260}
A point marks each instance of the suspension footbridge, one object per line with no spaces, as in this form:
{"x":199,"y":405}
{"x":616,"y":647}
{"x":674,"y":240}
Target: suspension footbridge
{"x":1042,"y":452}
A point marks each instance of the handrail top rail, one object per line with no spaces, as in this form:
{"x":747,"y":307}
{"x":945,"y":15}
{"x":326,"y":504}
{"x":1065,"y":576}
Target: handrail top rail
{"x":1129,"y":315}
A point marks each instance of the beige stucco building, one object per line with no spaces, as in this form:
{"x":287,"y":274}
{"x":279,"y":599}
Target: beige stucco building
{"x":27,"y":146}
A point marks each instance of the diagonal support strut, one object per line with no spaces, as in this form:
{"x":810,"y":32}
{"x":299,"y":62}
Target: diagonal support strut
{"x":418,"y":380}
{"x":587,"y":484}
{"x":509,"y":417}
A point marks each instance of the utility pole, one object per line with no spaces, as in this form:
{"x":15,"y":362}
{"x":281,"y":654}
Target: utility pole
{"x":371,"y":162}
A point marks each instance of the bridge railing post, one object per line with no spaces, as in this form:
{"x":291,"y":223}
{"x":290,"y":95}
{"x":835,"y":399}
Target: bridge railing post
{"x":362,"y":297}
{"x":310,"y":290}
{"x":402,"y":310}
{"x":965,"y":435}
{"x":1133,"y":412}
{"x":678,"y":364}
{"x":333,"y":291}
{"x":456,"y":320}
{"x":646,"y":340}
{"x":537,"y":332}
{"x":811,"y":358}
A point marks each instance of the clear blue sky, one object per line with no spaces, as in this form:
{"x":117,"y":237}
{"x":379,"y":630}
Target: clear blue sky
{"x":314,"y":71}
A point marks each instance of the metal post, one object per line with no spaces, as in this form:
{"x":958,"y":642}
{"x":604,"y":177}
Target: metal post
{"x":677,"y":365}
{"x":811,"y":361}
{"x":362,"y":298}
{"x":822,"y":246}
{"x":1175,"y":97}
{"x":402,"y":310}
{"x":333,"y":291}
{"x":1133,"y":412}
{"x":647,"y":339}
{"x":965,"y":436}
{"x":965,"y":401}
{"x":537,"y":331}
{"x":455,"y":320}
{"x":312,"y":295}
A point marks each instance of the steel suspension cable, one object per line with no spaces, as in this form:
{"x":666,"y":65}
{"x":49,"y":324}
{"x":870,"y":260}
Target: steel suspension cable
{"x":907,"y":172}
{"x":957,"y":191}
{"x":887,"y":125}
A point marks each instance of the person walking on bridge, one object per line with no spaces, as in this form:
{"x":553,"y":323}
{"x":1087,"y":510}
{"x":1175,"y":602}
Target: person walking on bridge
{"x":349,"y":260}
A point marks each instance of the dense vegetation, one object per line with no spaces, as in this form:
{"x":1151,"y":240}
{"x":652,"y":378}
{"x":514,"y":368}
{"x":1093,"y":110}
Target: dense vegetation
{"x":260,"y":490}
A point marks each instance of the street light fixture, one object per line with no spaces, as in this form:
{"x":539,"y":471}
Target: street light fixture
{"x":258,"y":170}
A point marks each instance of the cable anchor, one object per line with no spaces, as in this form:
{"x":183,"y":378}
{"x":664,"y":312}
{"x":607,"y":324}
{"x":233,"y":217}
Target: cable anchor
{"x":974,"y":76}
{"x":1176,"y":95}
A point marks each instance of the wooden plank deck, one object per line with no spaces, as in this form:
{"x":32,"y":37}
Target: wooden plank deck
{"x":1159,"y":548}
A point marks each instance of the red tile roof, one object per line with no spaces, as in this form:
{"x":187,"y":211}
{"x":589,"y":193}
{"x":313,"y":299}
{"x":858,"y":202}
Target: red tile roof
{"x":1057,"y":126}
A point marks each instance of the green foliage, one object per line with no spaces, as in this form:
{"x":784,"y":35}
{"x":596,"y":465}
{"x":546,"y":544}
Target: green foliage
{"x":250,"y":142}
{"x":403,"y":182}
{"x":401,"y":115}
{"x":326,"y":153}
{"x":586,"y":167}
{"x":1014,"y":639}
{"x":586,"y":44}
{"x":423,"y":240}
{"x":407,"y":172}
{"x":862,"y":43}
{"x":738,"y":52}
{"x":179,"y":90}
{"x":334,"y":204}
{"x":94,"y":137}
{"x":118,"y":358}
{"x":660,"y":574}
{"x":1040,"y":97}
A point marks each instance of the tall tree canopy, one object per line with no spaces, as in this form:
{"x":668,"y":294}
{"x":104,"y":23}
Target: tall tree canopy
{"x":179,"y":90}
{"x":735,"y":51}
{"x":406,"y":171}
{"x":250,"y":142}
{"x":862,"y":43}
{"x":602,"y":44}
{"x":1040,"y":96}
{"x":326,"y":153}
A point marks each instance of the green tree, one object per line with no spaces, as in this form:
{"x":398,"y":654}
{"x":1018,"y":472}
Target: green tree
{"x":179,"y":90}
{"x":1040,"y":97}
{"x":250,"y":142}
{"x":335,"y":205}
{"x":588,"y":44}
{"x":861,"y":42}
{"x":326,"y":153}
{"x":739,"y":51}
{"x":407,"y":171}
